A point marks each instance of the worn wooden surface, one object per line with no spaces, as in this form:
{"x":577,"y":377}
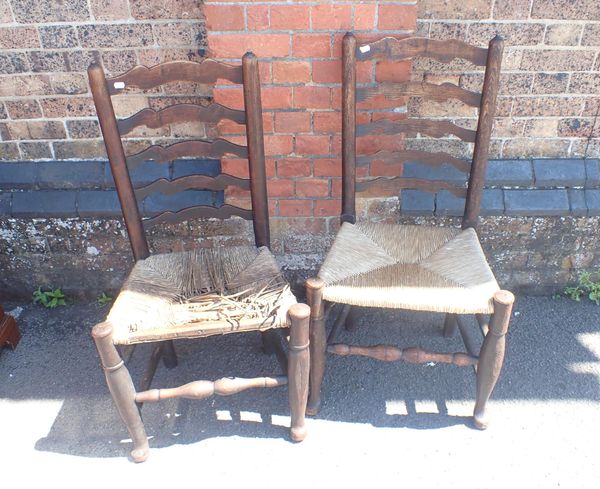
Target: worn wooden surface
{"x":9,"y":331}
{"x":414,"y":156}
{"x":384,"y":186}
{"x":412,"y":127}
{"x":439,"y":93}
{"x":169,"y":187}
{"x":349,"y":128}
{"x":318,"y":342}
{"x":224,"y":212}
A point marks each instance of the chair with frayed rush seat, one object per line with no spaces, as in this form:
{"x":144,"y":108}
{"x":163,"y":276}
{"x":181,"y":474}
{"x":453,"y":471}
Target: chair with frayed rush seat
{"x":206,"y":291}
{"x":413,"y":267}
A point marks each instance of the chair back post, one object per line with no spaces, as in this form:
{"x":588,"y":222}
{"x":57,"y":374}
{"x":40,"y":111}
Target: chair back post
{"x":349,"y":129}
{"x":256,"y":150}
{"x":118,"y":165}
{"x":484,"y":132}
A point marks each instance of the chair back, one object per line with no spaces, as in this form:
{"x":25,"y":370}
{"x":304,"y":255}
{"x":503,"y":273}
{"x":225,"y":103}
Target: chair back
{"x":391,"y":49}
{"x":113,"y":130}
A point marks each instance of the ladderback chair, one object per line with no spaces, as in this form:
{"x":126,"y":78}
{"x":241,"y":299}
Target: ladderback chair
{"x":413,"y":267}
{"x":205,"y":291}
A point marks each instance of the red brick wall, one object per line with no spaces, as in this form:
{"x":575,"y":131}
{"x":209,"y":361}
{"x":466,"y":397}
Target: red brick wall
{"x":299,"y":47}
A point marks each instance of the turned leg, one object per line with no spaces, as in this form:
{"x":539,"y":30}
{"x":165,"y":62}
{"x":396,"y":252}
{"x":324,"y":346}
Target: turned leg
{"x":318,"y":342}
{"x":491,"y":356}
{"x":449,"y":325}
{"x":122,"y":389}
{"x":350,"y":323}
{"x":169,"y":356}
{"x":298,"y":368}
{"x":340,"y":321}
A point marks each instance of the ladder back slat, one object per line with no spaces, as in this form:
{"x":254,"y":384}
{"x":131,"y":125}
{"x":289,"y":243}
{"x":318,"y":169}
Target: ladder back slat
{"x":224,"y":212}
{"x":389,"y":187}
{"x":430,"y":159}
{"x":432,"y":91}
{"x":170,"y":187}
{"x":416,"y":126}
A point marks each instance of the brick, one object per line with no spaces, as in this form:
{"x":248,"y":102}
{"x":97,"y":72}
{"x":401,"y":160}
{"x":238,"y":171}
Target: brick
{"x":42,"y":11}
{"x":224,"y":17}
{"x":448,"y":204}
{"x":9,"y":151}
{"x":417,"y":202}
{"x":392,"y":71}
{"x":312,"y":145}
{"x":115,"y":35}
{"x":98,"y":203}
{"x":292,"y":122}
{"x":587,"y":83}
{"x":592,"y":173}
{"x":18,"y":175}
{"x":79,"y":60}
{"x":293,"y":168}
{"x":290,"y":17}
{"x":6,"y":16}
{"x":326,"y":208}
{"x":3,"y":113}
{"x":235,"y":167}
{"x":281,"y":188}
{"x":291,"y":71}
{"x":44,"y":203}
{"x":515,"y":34}
{"x":562,"y":34}
{"x":312,"y":97}
{"x":35,"y":150}
{"x":235,"y":45}
{"x":278,"y":145}
{"x":509,"y":173}
{"x":592,"y":200}
{"x":276,"y":97}
{"x":553,"y":202}
{"x":311,"y":45}
{"x":547,"y":106}
{"x":577,"y":202}
{"x":537,"y":148}
{"x":257,"y":17}
{"x":327,"y":71}
{"x":65,"y":150}
{"x":173,"y":34}
{"x":561,"y":172}
{"x":492,"y":202}
{"x":591,"y":35}
{"x":110,"y":9}
{"x":511,"y":9}
{"x":70,"y":174}
{"x":364,"y":16}
{"x":545,"y":83}
{"x":448,"y":30}
{"x":68,"y":107}
{"x":327,"y":167}
{"x":557,"y":60}
{"x":295,"y":207}
{"x":313,"y":187}
{"x":331,"y":16}
{"x":578,"y":128}
{"x":47,"y":61}
{"x":13,"y":62}
{"x":32,"y":130}
{"x":159,"y":9}
{"x":453,"y":9}
{"x":24,"y":109}
{"x":18,"y":38}
{"x":397,"y":17}
{"x":58,"y":37}
{"x":83,"y":129}
{"x":565,"y":9}
{"x":327,"y":121}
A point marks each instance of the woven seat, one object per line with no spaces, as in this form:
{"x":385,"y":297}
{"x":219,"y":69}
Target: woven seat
{"x":201,"y":293}
{"x":410,"y":267}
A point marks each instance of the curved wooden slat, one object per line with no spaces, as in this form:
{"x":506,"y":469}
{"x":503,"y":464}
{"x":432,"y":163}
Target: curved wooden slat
{"x":179,"y":113}
{"x":425,"y":157}
{"x":169,"y":187}
{"x":223,"y":212}
{"x":382,"y":186}
{"x":207,"y":71}
{"x":444,"y":51}
{"x":212,"y":149}
{"x":439,"y":93}
{"x":435,"y":129}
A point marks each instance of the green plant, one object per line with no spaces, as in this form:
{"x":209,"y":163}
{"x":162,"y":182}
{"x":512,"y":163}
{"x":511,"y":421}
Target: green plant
{"x":104,"y":299}
{"x":588,"y":283}
{"x":49,"y":298}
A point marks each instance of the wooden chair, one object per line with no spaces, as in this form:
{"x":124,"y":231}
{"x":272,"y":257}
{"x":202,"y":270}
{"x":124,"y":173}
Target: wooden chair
{"x":419,"y":268}
{"x":203,"y":292}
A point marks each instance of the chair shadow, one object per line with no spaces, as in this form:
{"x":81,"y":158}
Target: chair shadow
{"x":57,"y":360}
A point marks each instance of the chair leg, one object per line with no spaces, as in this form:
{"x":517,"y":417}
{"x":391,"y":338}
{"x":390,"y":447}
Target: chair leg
{"x":122,"y":389}
{"x":491,"y":356}
{"x":450,"y":325}
{"x":169,"y":356}
{"x":350,"y":323}
{"x":318,"y":342}
{"x":298,"y":368}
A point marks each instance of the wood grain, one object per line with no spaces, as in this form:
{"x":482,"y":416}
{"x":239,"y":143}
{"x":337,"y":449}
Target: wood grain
{"x":208,"y":149}
{"x":224,"y":212}
{"x":425,"y":157}
{"x":438,"y":93}
{"x":389,"y":187}
{"x":179,"y":113}
{"x":429,"y":127}
{"x":206,"y":72}
{"x":170,"y":187}
{"x":444,"y":51}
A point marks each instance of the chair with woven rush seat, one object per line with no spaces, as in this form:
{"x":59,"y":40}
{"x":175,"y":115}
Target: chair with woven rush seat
{"x":413,"y":267}
{"x":200,"y":292}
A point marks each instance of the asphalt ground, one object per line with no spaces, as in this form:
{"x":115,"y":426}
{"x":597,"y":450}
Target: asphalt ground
{"x":381,"y":424}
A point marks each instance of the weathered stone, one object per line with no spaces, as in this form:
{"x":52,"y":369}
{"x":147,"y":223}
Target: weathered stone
{"x":509,"y":173}
{"x":563,"y":34}
{"x":42,"y":11}
{"x":35,"y":150}
{"x":58,"y":37}
{"x":49,"y":203}
{"x":536,"y":202}
{"x":563,"y":172}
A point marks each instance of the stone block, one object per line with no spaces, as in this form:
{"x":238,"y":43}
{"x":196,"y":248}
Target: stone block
{"x":417,"y":202}
{"x":70,"y":174}
{"x":448,"y":204}
{"x":98,"y":203}
{"x":536,"y":202}
{"x":45,"y":203}
{"x":559,"y":172}
{"x":577,"y":201}
{"x":509,"y":173}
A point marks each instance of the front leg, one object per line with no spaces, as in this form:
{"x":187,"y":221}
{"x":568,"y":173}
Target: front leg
{"x":298,"y":368}
{"x":318,"y":342}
